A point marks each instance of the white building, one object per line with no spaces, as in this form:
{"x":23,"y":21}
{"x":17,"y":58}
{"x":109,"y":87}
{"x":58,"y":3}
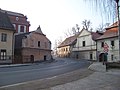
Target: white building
{"x":108,"y":45}
{"x":85,"y":48}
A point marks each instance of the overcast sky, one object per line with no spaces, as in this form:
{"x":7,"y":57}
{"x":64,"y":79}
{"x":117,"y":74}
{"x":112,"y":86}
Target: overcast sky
{"x":54,"y":16}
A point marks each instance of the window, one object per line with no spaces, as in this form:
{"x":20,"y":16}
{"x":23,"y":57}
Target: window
{"x":3,"y":54}
{"x":21,"y":28}
{"x":83,"y":43}
{"x":91,"y":56}
{"x":102,"y":44}
{"x":17,"y":18}
{"x":66,"y":49}
{"x":4,"y":37}
{"x":112,"y":43}
{"x":45,"y":45}
{"x":112,"y":57}
{"x":38,"y":43}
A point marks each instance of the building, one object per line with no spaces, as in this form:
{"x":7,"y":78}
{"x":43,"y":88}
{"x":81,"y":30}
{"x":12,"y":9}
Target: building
{"x":65,"y":48}
{"x":18,"y":20}
{"x":32,"y":47}
{"x":85,"y":47}
{"x":108,"y":45}
{"x":6,"y":39}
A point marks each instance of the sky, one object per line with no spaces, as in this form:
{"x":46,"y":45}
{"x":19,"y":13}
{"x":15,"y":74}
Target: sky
{"x":55,"y":17}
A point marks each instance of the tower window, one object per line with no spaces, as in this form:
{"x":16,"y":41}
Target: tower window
{"x":21,"y":28}
{"x":38,"y":43}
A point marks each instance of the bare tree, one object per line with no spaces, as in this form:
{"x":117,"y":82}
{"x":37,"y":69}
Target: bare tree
{"x":74,"y":30}
{"x":87,"y":25}
{"x":56,"y":44}
{"x":110,"y":8}
{"x":106,"y":7}
{"x":102,"y":27}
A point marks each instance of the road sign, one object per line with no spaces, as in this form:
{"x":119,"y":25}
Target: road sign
{"x":106,"y":47}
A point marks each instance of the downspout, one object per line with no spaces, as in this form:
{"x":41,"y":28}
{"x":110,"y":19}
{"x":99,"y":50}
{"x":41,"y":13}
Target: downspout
{"x":96,"y":52}
{"x":13,"y":44}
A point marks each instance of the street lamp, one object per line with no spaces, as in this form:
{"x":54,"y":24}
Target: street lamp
{"x":118,"y":17}
{"x":117,"y":5}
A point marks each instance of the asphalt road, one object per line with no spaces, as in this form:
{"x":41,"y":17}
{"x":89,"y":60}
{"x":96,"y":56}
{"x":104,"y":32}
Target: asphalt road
{"x":37,"y":71}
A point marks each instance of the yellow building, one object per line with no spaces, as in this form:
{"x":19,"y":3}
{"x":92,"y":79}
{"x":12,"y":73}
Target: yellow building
{"x":65,"y":48}
{"x":6,"y":39}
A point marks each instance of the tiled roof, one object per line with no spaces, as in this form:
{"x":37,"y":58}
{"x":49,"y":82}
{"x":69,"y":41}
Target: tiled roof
{"x":12,"y":13}
{"x":110,"y":32}
{"x":5,"y":22}
{"x":68,"y":41}
{"x":95,"y":35}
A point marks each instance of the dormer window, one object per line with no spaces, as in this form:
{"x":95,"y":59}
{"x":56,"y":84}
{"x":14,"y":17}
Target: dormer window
{"x":17,"y":18}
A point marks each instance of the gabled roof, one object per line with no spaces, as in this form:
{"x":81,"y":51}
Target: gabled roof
{"x":68,"y":41}
{"x":95,"y":35}
{"x":5,"y":22}
{"x":110,"y":32}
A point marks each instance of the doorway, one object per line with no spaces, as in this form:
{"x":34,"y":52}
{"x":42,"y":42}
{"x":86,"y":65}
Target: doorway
{"x":103,"y":57}
{"x":45,"y":57}
{"x":31,"y":58}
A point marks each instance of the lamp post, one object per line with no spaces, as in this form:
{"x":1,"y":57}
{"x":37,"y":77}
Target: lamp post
{"x":118,"y":17}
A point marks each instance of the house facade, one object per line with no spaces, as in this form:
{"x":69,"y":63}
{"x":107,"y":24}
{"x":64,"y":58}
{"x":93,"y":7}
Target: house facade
{"x":85,"y":47}
{"x":32,"y":47}
{"x":108,"y":45}
{"x":65,"y":48}
{"x":6,"y":39}
{"x":18,"y":20}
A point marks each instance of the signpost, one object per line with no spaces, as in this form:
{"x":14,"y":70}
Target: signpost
{"x":106,"y":49}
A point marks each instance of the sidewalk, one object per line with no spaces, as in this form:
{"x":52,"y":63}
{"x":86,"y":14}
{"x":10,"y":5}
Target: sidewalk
{"x":99,"y":67}
{"x":99,"y":80}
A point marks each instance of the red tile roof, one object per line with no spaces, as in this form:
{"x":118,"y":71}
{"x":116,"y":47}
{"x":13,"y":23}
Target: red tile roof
{"x":68,"y":41}
{"x":95,"y":35}
{"x":111,"y":31}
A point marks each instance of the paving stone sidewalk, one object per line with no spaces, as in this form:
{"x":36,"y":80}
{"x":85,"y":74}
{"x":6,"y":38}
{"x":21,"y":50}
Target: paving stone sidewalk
{"x":99,"y":80}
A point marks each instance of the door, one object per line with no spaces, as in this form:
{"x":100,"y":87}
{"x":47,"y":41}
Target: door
{"x":91,"y":56}
{"x":101,"y":57}
{"x":44,"y":57}
{"x":32,"y":59}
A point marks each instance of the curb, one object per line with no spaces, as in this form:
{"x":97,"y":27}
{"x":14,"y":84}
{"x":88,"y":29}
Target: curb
{"x":14,"y":65}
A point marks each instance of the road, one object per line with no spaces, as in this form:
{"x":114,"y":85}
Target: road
{"x":37,"y":71}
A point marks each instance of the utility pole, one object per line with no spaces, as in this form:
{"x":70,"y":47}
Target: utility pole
{"x":117,"y":5}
